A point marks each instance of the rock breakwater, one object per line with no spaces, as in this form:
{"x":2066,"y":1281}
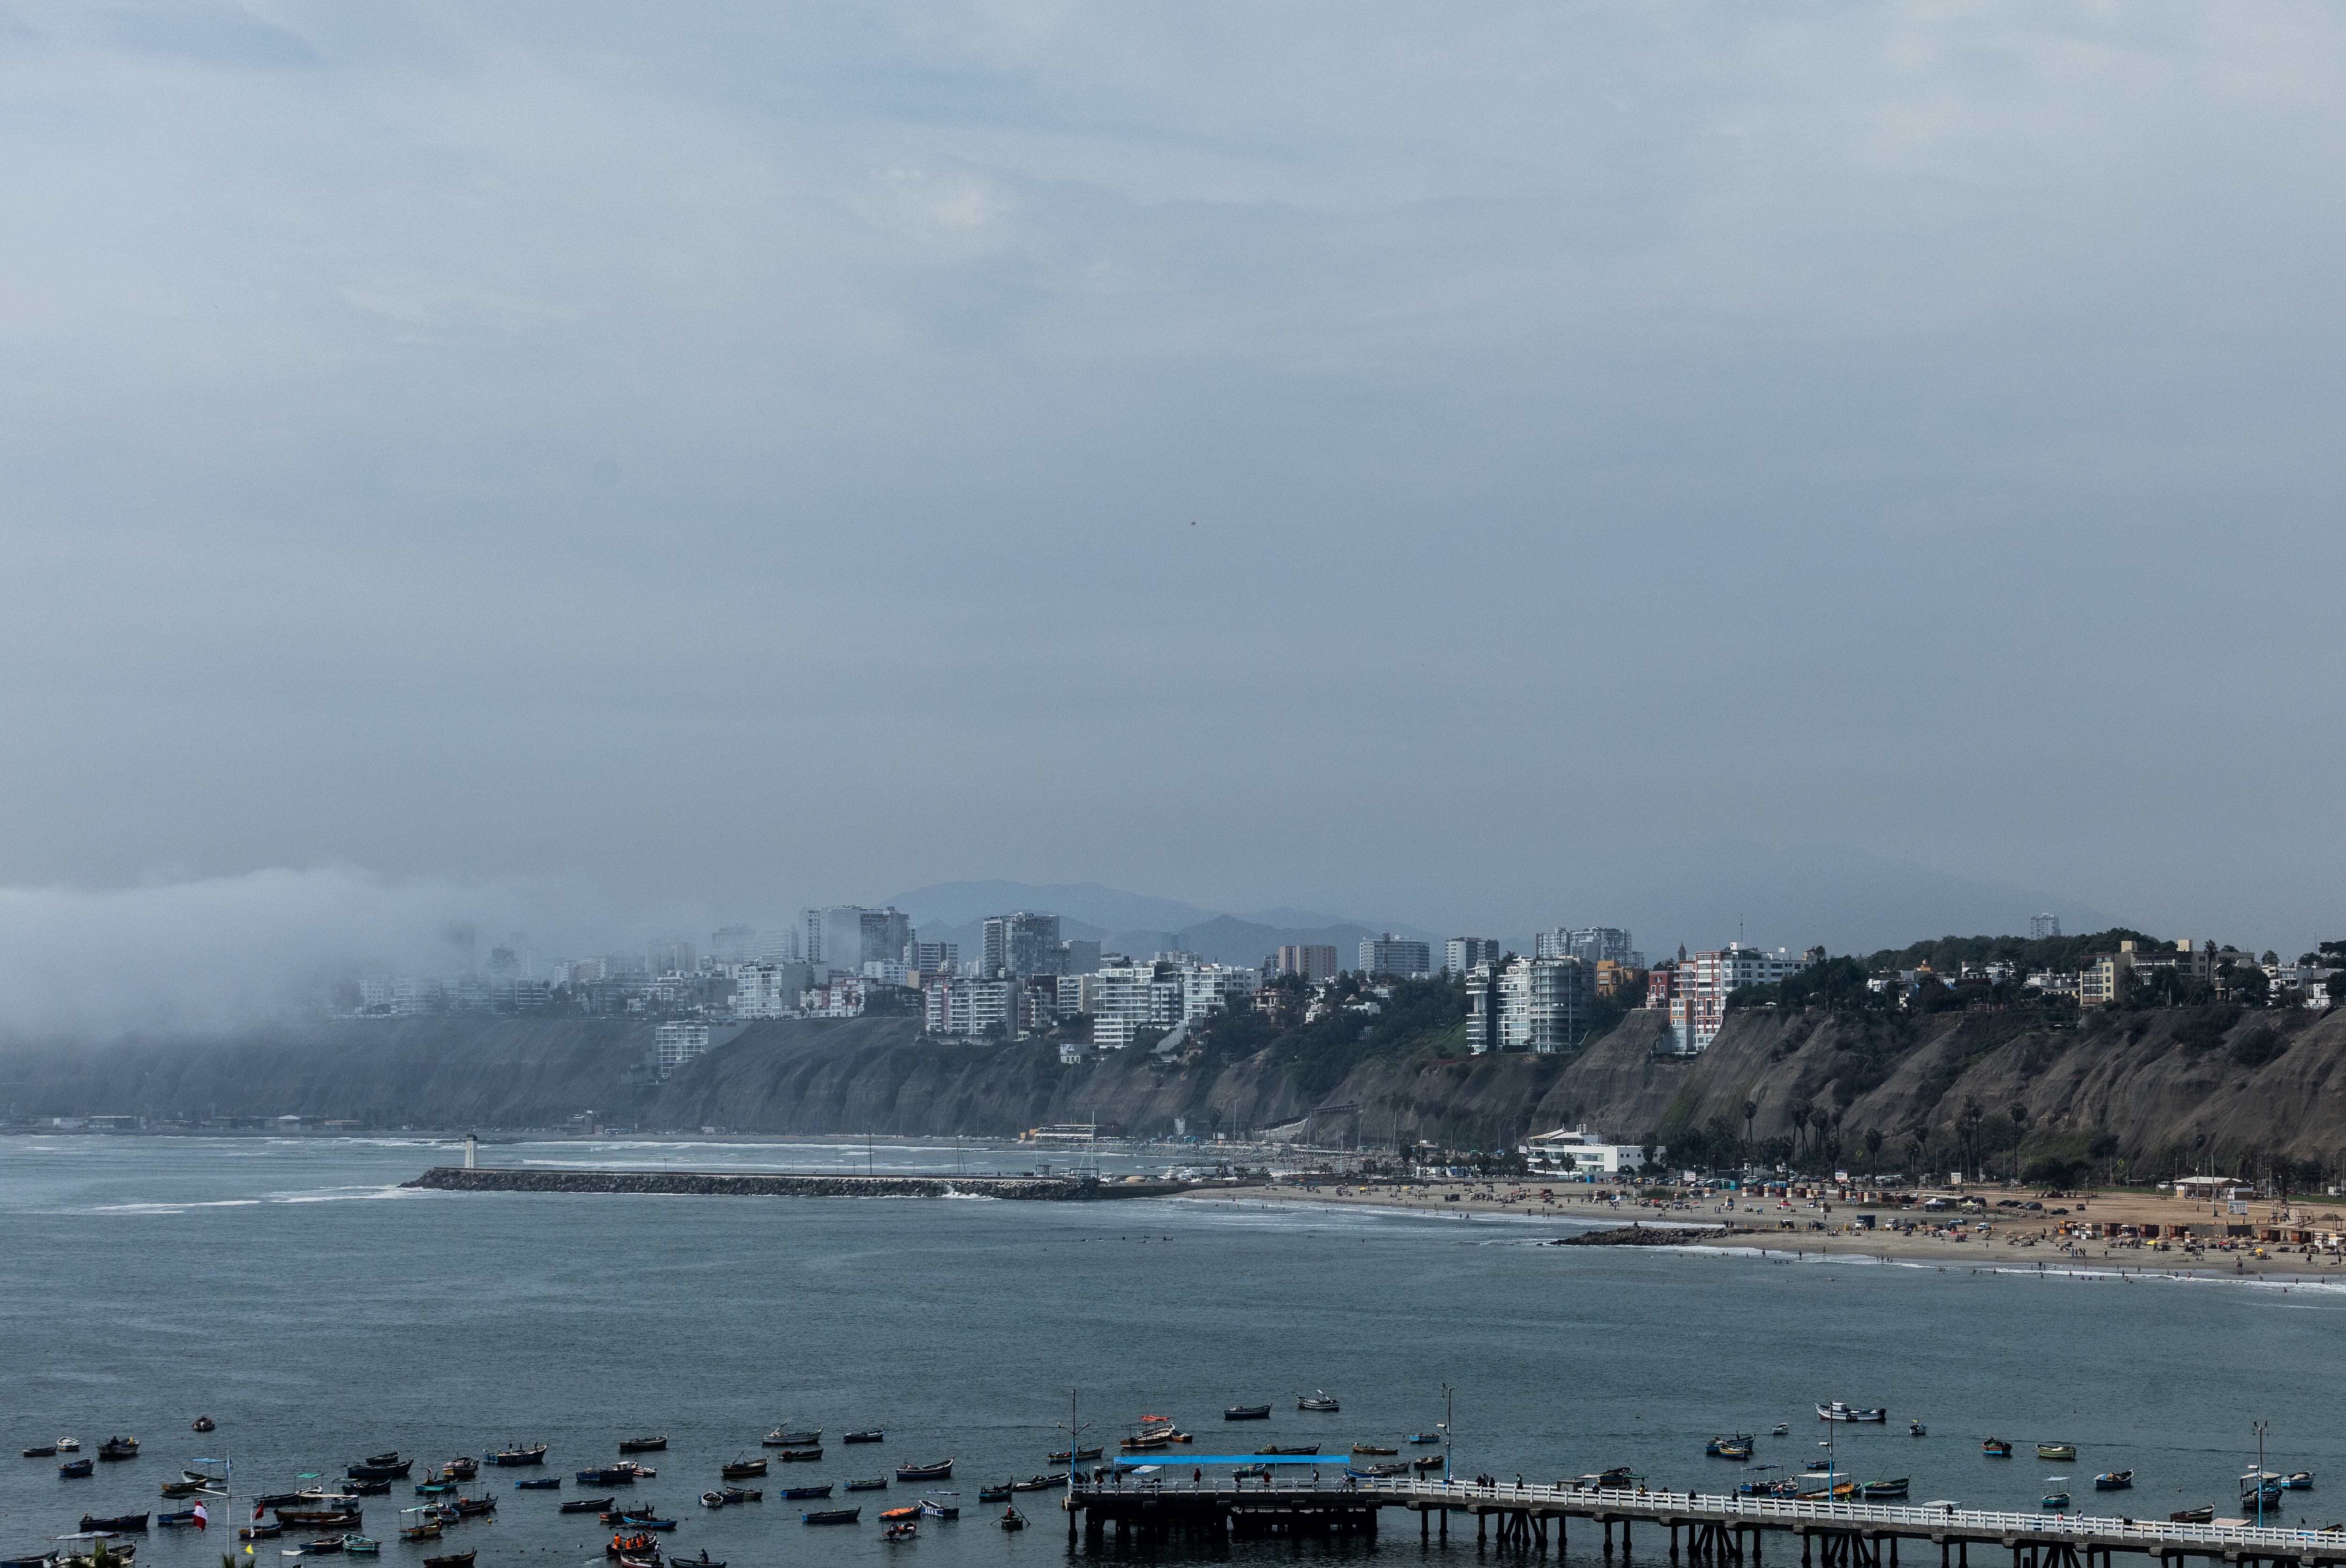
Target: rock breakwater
{"x":727,"y":1184}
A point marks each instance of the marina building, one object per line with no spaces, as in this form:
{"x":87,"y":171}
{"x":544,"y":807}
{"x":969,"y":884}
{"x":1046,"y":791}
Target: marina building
{"x":1579,"y":1152}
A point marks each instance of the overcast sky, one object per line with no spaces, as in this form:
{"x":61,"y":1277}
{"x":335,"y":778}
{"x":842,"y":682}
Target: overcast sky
{"x":1468,"y":465}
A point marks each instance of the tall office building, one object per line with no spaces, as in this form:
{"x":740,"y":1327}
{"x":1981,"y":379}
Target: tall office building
{"x":1590,"y":944}
{"x":2044,"y":925}
{"x":1022,"y":944}
{"x":934,"y":957}
{"x":733,"y":945}
{"x":843,"y":938}
{"x":1460,"y":955}
{"x":1315,"y":961}
{"x":1390,"y":954}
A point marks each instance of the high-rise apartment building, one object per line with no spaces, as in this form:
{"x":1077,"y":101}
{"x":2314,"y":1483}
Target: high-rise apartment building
{"x":1314,"y":961}
{"x":2044,"y":925}
{"x":733,"y":945}
{"x":1590,"y":944}
{"x":1541,"y":1005}
{"x":1022,"y":944}
{"x":670,"y":955}
{"x":1460,"y":955}
{"x":1695,"y":990}
{"x":678,"y":1042}
{"x":1390,"y":954}
{"x":934,"y":957}
{"x":1132,"y":997}
{"x":968,"y":1007}
{"x":843,"y":938}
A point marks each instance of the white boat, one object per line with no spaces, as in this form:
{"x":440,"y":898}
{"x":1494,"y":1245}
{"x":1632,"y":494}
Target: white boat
{"x":1838,"y":1411}
{"x":1318,"y":1400}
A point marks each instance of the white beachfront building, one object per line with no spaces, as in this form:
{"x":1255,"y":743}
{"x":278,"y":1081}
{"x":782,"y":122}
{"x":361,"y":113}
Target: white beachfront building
{"x":1578,"y":1152}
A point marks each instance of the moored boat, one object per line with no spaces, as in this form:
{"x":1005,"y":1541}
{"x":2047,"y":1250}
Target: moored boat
{"x":202,"y":1424}
{"x":1425,"y":1437}
{"x":474,"y":1507}
{"x":783,"y":1437}
{"x":1369,"y":1448}
{"x":357,"y":1487}
{"x":741,"y":1468}
{"x":2054,"y":1500}
{"x":1918,"y":1428}
{"x":121,"y":1523}
{"x":379,"y":1470}
{"x":586,"y":1505}
{"x":868,"y":1434}
{"x":1075,"y":1454}
{"x":805,"y":1493}
{"x":1304,"y":1449}
{"x":902,"y":1530}
{"x":1735,"y":1446}
{"x":2057,"y":1451}
{"x":2203,"y":1514}
{"x":533,"y":1454}
{"x":1997,"y":1448}
{"x":897,"y":1515}
{"x":931,"y":1509}
{"x":260,"y":1532}
{"x":799,"y":1456}
{"x":324,"y":1546}
{"x":939,"y":1471}
{"x":874,"y":1484}
{"x":1040,"y":1483}
{"x":643,"y":1444}
{"x":1430,"y":1463}
{"x":1247,"y":1413}
{"x":1838,"y":1411}
{"x":2298,"y":1481}
{"x":610,"y":1475}
{"x":46,"y":1450}
{"x":180,"y":1520}
{"x":1318,"y":1400}
{"x":421,"y":1530}
{"x":1874,"y":1491}
{"x":362,"y":1545}
{"x":733,"y":1494}
{"x":995,"y":1493}
{"x":831,"y":1516}
{"x":2114,"y":1481}
{"x":540,"y":1483}
{"x":118,"y":1447}
{"x":712,"y":1500}
{"x":455,"y":1560}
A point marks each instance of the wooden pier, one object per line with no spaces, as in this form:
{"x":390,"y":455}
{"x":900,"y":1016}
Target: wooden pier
{"x":1713,"y":1531}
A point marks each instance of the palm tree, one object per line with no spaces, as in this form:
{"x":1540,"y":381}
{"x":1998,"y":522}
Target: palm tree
{"x":1751,"y":1109}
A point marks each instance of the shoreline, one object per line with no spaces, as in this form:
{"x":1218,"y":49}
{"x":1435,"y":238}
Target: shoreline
{"x":2000,"y":1253}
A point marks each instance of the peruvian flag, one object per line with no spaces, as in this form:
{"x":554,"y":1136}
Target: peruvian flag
{"x":201,"y":1517}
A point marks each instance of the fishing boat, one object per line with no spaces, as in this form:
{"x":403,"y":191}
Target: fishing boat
{"x":1738,"y":1446}
{"x":84,"y":1549}
{"x":782,"y":1437}
{"x":1369,"y":1448}
{"x":1040,"y":1483}
{"x":1374,"y":1472}
{"x":801,"y":1493}
{"x":177,"y":1488}
{"x":180,"y":1520}
{"x":2203,"y":1514}
{"x":610,"y":1475}
{"x":712,"y":1500}
{"x":1318,"y":1400}
{"x":1781,"y":1429}
{"x":995,"y":1493}
{"x":1066,"y":1455}
{"x":643,"y":1523}
{"x":366,"y":1488}
{"x":201,"y":1424}
{"x":260,"y":1532}
{"x":373,"y":1470}
{"x":931,"y":1509}
{"x":941,"y":1470}
{"x":421,"y":1530}
{"x":911,"y":1510}
{"x":461,"y":1469}
{"x":1619,"y":1475}
{"x":455,"y":1560}
{"x":875,"y":1483}
{"x":118,"y":1447}
{"x":362,"y":1545}
{"x":1997,"y":1448}
{"x":742,"y":1468}
{"x":2055,"y":1500}
{"x":1431,"y":1462}
{"x":1013,"y":1519}
{"x":325,"y":1545}
{"x":831,"y":1516}
{"x":68,"y":1445}
{"x":2114,"y":1481}
{"x":1247,"y":1413}
{"x":643,"y":1445}
{"x":433,"y":1488}
{"x":1306,"y":1448}
{"x":1142,"y":1444}
{"x":47,"y":1451}
{"x":733,"y":1494}
{"x":870,"y":1434}
{"x":2061,"y":1451}
{"x":2298,"y":1481}
{"x":1873,"y":1491}
{"x":120,"y":1524}
{"x":1425,"y":1437}
{"x":703,"y":1560}
{"x":1838,"y":1411}
{"x":1918,"y":1428}
{"x":902,"y":1530}
{"x":534,"y":1454}
{"x":586,"y":1505}
{"x":636,"y":1544}
{"x":540,"y":1483}
{"x":799,"y":1456}
{"x":474,"y":1507}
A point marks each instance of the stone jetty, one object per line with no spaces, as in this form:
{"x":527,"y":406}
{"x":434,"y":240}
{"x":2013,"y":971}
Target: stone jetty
{"x":733,"y":1183}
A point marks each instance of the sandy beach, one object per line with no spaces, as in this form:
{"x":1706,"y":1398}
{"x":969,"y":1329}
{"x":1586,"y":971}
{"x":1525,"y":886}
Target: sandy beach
{"x":2011,"y":1241}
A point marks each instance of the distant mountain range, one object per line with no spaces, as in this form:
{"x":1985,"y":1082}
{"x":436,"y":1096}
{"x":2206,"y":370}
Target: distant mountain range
{"x":1135,"y":923}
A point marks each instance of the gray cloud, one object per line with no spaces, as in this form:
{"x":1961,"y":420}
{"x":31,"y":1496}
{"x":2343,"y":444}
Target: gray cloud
{"x":760,"y":449}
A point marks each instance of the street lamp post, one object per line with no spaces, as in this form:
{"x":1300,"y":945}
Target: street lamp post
{"x":2261,"y":1472}
{"x":1447,"y":1431}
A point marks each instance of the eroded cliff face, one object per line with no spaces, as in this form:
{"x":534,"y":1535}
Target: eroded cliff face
{"x":2166,"y":1088}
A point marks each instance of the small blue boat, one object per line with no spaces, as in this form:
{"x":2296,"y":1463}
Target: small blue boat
{"x":176,"y":1520}
{"x":801,"y":1493}
{"x":1425,"y":1437}
{"x":2301,"y":1481}
{"x":74,"y":1469}
{"x":542,"y":1483}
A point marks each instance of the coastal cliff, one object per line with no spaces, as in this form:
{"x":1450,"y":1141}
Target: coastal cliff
{"x":2157,"y":1090}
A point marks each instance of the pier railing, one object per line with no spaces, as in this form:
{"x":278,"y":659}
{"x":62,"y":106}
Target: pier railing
{"x":1908,"y":1519}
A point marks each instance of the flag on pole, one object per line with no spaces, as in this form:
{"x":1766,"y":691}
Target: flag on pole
{"x":201,"y":1517}
{"x":257,"y":1511}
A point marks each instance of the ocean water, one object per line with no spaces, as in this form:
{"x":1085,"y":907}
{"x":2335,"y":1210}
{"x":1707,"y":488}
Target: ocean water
{"x":319,"y":1312}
